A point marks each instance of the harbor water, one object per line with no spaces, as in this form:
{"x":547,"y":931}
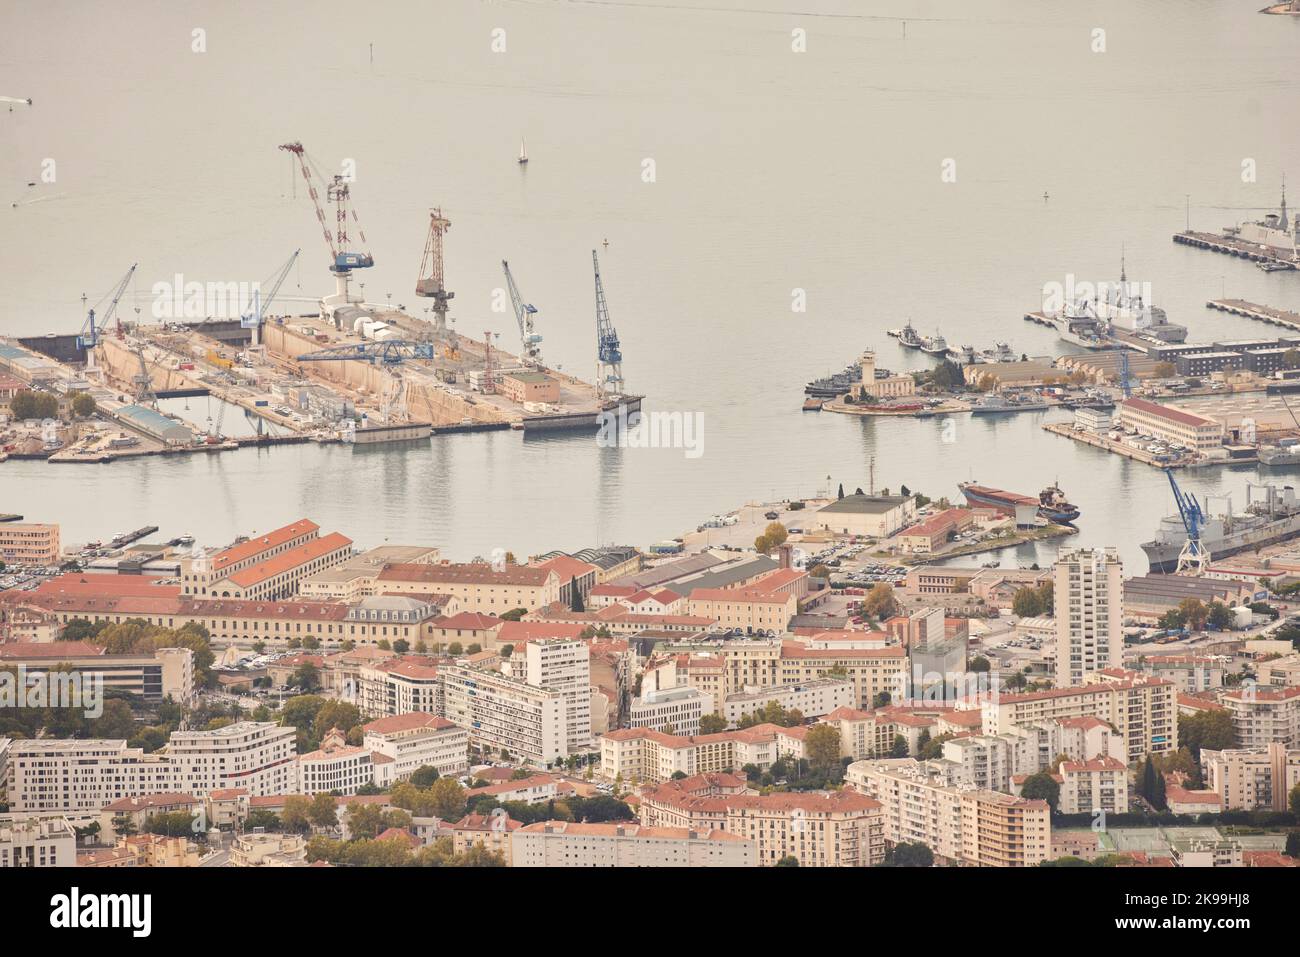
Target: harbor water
{"x":797,"y":210}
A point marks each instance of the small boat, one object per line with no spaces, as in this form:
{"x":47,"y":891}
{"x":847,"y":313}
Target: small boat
{"x":523,"y":152}
{"x":935,"y":345}
{"x":1055,"y":507}
{"x":1275,"y":265}
{"x":813,"y":405}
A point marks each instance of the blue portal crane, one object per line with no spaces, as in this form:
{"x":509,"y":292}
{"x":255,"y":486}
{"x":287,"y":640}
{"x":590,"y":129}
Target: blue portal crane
{"x":1194,"y":555}
{"x":252,"y":317}
{"x":609,"y":355}
{"x":385,"y":352}
{"x":89,"y":337}
{"x":1125,"y":378}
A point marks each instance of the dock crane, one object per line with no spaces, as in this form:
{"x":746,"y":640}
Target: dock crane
{"x":1194,"y":556}
{"x":342,"y":258}
{"x":430,"y":284}
{"x":609,"y":355}
{"x":89,"y":337}
{"x":1125,"y":378}
{"x":530,"y":342}
{"x":252,"y":318}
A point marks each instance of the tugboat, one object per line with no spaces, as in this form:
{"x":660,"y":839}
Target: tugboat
{"x":935,"y":345}
{"x":1055,"y":507}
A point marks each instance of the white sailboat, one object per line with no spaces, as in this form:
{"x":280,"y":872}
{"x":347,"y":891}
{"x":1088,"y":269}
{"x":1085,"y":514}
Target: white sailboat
{"x":523,"y":152}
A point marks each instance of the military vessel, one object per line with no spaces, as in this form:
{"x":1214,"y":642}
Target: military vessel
{"x":1007,"y":404}
{"x":1285,"y":453}
{"x":907,"y":336}
{"x":1276,"y":232}
{"x":1272,"y":518}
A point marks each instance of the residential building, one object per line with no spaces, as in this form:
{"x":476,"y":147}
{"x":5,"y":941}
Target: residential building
{"x":166,"y":673}
{"x":418,"y":739}
{"x":37,"y":842}
{"x":1264,"y":716}
{"x":337,"y":767}
{"x":504,"y":714}
{"x":812,"y":699}
{"x":961,"y":826}
{"x":1099,"y":784}
{"x":568,"y":844}
{"x":1257,"y":778}
{"x":1141,"y":709}
{"x":672,"y":710}
{"x":1089,"y":600}
{"x":564,"y":665}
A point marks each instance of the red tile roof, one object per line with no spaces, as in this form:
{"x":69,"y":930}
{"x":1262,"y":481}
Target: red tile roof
{"x":287,"y":561}
{"x":259,"y":544}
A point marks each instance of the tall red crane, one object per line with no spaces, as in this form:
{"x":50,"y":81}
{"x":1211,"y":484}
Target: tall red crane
{"x":343,"y":259}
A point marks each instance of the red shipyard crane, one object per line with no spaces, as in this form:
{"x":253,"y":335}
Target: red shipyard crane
{"x":343,"y":258}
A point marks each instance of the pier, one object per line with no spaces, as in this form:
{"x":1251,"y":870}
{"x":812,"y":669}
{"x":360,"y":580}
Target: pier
{"x":1230,"y":247}
{"x":1253,"y":310}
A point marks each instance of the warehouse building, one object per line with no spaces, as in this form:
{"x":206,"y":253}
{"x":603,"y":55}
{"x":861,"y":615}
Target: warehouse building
{"x":872,"y":515}
{"x":155,"y":425}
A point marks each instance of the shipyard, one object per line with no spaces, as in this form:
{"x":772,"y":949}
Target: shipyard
{"x":350,"y":371}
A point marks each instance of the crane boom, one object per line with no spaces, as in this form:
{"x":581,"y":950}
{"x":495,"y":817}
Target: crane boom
{"x":252,"y":318}
{"x":1194,"y":555}
{"x":530,"y":342}
{"x":384,"y":352}
{"x":89,"y":337}
{"x":431,"y":281}
{"x":609,"y":354}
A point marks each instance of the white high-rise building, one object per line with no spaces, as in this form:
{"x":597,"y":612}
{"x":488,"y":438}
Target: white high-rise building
{"x":564,"y":665}
{"x":1089,"y":599}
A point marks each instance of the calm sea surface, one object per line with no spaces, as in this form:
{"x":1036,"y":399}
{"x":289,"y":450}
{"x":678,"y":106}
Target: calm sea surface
{"x":774,"y":171}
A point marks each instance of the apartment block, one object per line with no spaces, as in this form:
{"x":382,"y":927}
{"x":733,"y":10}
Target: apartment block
{"x":167,"y":673}
{"x":567,"y":844}
{"x":564,"y":665}
{"x":922,"y":805}
{"x":1089,"y":600}
{"x":812,"y":699}
{"x":419,"y":739}
{"x":1100,"y":784}
{"x":1264,"y":716}
{"x":36,"y":842}
{"x":1142,"y":710}
{"x":1249,"y":779}
{"x":501,"y":713}
{"x":673,"y":710}
{"x":29,"y":544}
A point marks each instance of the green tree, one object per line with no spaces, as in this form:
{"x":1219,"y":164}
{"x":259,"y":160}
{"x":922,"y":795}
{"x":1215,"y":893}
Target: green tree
{"x":27,"y":404}
{"x":774,"y":535}
{"x":1293,"y":800}
{"x":1219,"y":615}
{"x":822,"y":747}
{"x":979,"y":663}
{"x":296,"y":815}
{"x":1042,"y":787}
{"x":401,"y":646}
{"x":1293,"y":843}
{"x":575,"y":596}
{"x":83,"y":404}
{"x":323,"y":811}
{"x":899,"y":749}
{"x":448,"y":799}
{"x":712,"y":723}
{"x":880,"y":602}
{"x":788,"y":861}
{"x":908,"y":854}
{"x":1211,"y":729}
{"x":424,"y":776}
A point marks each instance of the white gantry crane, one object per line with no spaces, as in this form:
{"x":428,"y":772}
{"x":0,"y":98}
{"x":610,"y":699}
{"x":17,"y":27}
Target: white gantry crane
{"x":530,"y":342}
